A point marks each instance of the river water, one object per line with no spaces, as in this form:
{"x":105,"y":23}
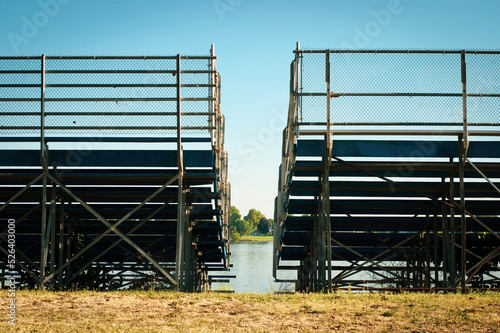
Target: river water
{"x":253,"y":265}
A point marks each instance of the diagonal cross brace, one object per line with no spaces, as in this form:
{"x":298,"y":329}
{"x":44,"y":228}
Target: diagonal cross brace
{"x":362,"y":256}
{"x":21,"y":191}
{"x":122,"y":270}
{"x":20,"y":254}
{"x":396,"y":183}
{"x":118,"y":241}
{"x":20,"y":264}
{"x":374,"y":263}
{"x":19,"y":220}
{"x":482,"y":174}
{"x":113,"y":228}
{"x":482,"y":224}
{"x":480,"y":264}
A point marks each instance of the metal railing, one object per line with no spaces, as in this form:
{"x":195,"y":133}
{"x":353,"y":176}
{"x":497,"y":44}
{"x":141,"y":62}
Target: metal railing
{"x":107,"y":95}
{"x":398,"y":87}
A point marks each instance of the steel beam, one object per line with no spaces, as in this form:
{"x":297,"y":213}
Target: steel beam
{"x":43,"y":235}
{"x":112,"y":228}
{"x":115,"y":243}
{"x":23,"y":266}
{"x":15,"y":196}
{"x":61,"y":243}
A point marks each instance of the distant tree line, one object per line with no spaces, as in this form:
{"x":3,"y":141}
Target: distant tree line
{"x":253,"y":222}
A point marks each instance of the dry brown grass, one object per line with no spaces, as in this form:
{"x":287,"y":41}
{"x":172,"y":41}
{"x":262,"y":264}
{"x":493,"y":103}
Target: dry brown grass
{"x":88,"y":311}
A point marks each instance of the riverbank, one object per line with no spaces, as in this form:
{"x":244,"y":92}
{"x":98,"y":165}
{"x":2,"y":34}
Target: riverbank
{"x":256,"y":238}
{"x":88,"y":311}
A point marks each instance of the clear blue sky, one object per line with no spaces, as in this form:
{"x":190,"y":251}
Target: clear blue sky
{"x":253,"y":40}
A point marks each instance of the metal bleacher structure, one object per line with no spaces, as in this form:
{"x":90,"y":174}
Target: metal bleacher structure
{"x":114,"y":170}
{"x":390,"y":171}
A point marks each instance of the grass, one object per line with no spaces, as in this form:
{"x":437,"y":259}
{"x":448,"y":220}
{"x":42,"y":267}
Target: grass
{"x":129,"y":311}
{"x":258,"y":238}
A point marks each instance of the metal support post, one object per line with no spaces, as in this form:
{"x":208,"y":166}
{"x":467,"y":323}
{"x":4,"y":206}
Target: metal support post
{"x":436,"y":252}
{"x":69,"y":231}
{"x":446,"y":238}
{"x":61,"y":243}
{"x":328,"y":144}
{"x":461,"y":166}
{"x":44,"y":162}
{"x":313,"y":253}
{"x":298,"y":71}
{"x":43,"y":147}
{"x":43,"y":234}
{"x":464,"y":102}
{"x":212,"y":105}
{"x":180,"y":255}
{"x":446,"y":244}
{"x":462,"y":159}
{"x":427,"y":258}
{"x":189,"y":262}
{"x":453,"y":229}
{"x":51,"y":233}
{"x":53,"y":244}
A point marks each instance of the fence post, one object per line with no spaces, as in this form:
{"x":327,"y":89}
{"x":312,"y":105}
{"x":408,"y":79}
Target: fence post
{"x":326,"y":194}
{"x":464,"y":101}
{"x":179,"y":262}
{"x":44,"y":163}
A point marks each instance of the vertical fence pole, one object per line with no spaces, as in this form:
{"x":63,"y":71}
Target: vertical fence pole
{"x":43,"y":161}
{"x":461,"y":166}
{"x":462,"y":158}
{"x":446,"y":243}
{"x":52,"y":225}
{"x":61,"y":243}
{"x":42,"y":117}
{"x":179,"y":262}
{"x":453,"y":270}
{"x":436,"y":252}
{"x":298,"y":71}
{"x":179,"y":136}
{"x":464,"y":102}
{"x":69,"y":231}
{"x":328,"y":143}
{"x":211,"y":93}
{"x":427,"y":258}
{"x":43,"y":257}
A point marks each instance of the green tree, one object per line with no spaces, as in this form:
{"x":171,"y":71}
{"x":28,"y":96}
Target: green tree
{"x":234,"y":214}
{"x":234,"y":235}
{"x":237,"y":226}
{"x":263,"y":226}
{"x":253,"y":218}
{"x":242,"y":227}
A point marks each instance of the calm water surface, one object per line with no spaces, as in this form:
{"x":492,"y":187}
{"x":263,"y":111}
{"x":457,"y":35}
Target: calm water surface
{"x":253,"y":265}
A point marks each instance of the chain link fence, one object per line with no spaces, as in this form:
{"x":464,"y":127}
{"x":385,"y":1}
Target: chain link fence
{"x":106,"y":95}
{"x":398,"y":87}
